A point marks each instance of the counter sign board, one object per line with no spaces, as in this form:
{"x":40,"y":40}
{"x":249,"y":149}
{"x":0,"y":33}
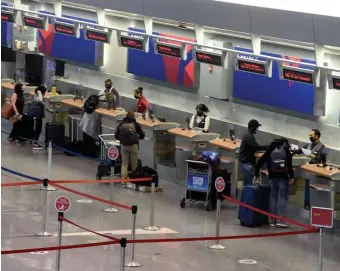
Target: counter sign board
{"x":334,"y":81}
{"x":113,"y":153}
{"x":169,"y":49}
{"x":207,"y":57}
{"x":322,"y":217}
{"x":97,"y":35}
{"x":297,"y":75}
{"x":35,"y":22}
{"x":62,"y":204}
{"x":7,"y":16}
{"x":132,"y":42}
{"x":219,"y":184}
{"x":63,"y":28}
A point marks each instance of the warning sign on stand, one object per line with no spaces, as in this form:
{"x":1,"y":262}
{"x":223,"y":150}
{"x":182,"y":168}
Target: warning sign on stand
{"x":113,"y":153}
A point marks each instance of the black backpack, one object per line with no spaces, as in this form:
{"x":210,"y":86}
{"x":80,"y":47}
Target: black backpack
{"x":278,"y":160}
{"x":91,"y":103}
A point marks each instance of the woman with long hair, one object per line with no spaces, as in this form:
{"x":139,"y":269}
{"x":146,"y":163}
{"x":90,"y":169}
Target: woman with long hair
{"x":17,"y":101}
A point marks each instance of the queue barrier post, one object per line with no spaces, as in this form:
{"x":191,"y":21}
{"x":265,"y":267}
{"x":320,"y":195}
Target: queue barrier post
{"x":60,"y":232}
{"x":217,"y":245}
{"x":321,"y":234}
{"x":152,"y":226}
{"x":122,"y":253}
{"x":132,"y":263}
{"x":44,"y":208}
{"x":111,"y":209}
{"x":49,"y":166}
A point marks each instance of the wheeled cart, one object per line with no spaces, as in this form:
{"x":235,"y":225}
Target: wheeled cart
{"x":110,"y":156}
{"x":198,"y":184}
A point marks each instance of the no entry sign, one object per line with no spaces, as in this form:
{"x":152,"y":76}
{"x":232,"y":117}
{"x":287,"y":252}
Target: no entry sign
{"x":219,"y":184}
{"x":322,"y":217}
{"x":113,"y":153}
{"x":62,"y":204}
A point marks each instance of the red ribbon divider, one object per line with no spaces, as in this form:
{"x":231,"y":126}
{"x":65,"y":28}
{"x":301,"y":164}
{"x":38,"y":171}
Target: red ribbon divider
{"x":211,"y":238}
{"x":20,"y":183}
{"x":269,"y":214}
{"x":97,"y":233}
{"x":101,"y":181}
{"x":90,"y":197}
{"x":38,"y":249}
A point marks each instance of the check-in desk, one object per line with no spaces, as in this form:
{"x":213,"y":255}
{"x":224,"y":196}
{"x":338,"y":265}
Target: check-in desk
{"x":229,"y":151}
{"x":325,"y":189}
{"x":158,"y":146}
{"x":110,"y":119}
{"x":7,"y":89}
{"x":188,"y":143}
{"x":75,"y":114}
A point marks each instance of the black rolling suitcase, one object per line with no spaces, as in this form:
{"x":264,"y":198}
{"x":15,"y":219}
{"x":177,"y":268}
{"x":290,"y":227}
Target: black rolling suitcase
{"x":55,"y":132}
{"x":27,"y":128}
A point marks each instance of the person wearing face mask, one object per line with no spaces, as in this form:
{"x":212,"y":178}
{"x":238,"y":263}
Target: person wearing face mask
{"x":315,"y":146}
{"x":201,"y":119}
{"x":111,"y":95}
{"x":248,"y":148}
{"x":142,"y":104}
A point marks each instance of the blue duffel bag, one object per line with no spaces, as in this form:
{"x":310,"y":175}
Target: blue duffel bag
{"x":36,"y":110}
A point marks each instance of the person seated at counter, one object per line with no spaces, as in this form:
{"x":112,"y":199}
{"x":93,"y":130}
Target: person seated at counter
{"x":281,"y":173}
{"x":248,"y":148}
{"x":129,"y":132}
{"x":111,"y":95}
{"x":201,"y":119}
{"x":142,"y":104}
{"x":317,"y":149}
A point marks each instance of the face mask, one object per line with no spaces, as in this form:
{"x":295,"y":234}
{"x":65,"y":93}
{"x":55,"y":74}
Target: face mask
{"x":312,"y":139}
{"x":253,"y":130}
{"x":199,"y":114}
{"x":108,"y":86}
{"x":136,"y":97}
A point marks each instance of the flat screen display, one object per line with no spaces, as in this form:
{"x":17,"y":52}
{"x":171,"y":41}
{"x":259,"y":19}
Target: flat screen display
{"x":7,"y":16}
{"x":209,"y":58}
{"x":298,"y":76}
{"x":253,"y":67}
{"x":169,"y":50}
{"x":34,"y":22}
{"x":97,"y":36}
{"x":336,"y":83}
{"x":64,"y":29}
{"x":131,"y":42}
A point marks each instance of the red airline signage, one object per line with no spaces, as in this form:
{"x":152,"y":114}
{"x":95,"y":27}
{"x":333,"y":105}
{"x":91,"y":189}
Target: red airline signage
{"x":168,"y":49}
{"x":298,"y":76}
{"x":7,"y":16}
{"x":322,"y":217}
{"x":35,"y":22}
{"x":132,"y":42}
{"x":209,"y":58}
{"x":250,"y":66}
{"x":92,"y":34}
{"x":336,"y":83}
{"x":64,"y":29}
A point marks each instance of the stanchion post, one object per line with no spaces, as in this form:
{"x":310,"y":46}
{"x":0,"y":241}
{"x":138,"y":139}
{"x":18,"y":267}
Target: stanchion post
{"x":132,"y":263}
{"x":217,"y":245}
{"x":321,"y":234}
{"x":152,"y":226}
{"x":49,"y":166}
{"x":122,"y":253}
{"x":44,"y":208}
{"x":111,"y":209}
{"x":60,"y":232}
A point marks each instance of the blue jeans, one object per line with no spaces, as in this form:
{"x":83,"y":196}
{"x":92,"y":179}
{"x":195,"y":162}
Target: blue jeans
{"x":278,"y":196}
{"x":248,"y":173}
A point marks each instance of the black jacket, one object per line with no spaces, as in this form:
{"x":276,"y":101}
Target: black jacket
{"x":248,"y":148}
{"x":129,"y":136}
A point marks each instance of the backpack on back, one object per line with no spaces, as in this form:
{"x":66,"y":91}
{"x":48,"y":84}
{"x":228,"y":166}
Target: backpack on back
{"x":128,"y":135}
{"x":91,"y":104}
{"x":279,"y":160}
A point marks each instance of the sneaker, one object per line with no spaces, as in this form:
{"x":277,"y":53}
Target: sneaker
{"x":37,"y":147}
{"x":282,"y":224}
{"x":272,"y":223}
{"x":11,"y":140}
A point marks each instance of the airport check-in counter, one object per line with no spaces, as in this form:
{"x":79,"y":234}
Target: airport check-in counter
{"x":158,"y":146}
{"x":7,"y":89}
{"x":188,"y":143}
{"x":110,"y":119}
{"x":325,"y":189}
{"x":75,"y":114}
{"x":229,"y":151}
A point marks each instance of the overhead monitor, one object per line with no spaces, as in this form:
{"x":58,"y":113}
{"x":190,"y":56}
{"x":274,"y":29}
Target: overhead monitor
{"x":7,"y":16}
{"x":334,"y":81}
{"x":254,"y":66}
{"x":207,"y":57}
{"x":131,"y":42}
{"x":66,"y":29}
{"x":98,"y":34}
{"x":35,"y":22}
{"x":297,"y":74}
{"x":170,"y":49}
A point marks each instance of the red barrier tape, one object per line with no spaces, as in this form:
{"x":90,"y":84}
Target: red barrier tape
{"x":91,"y":197}
{"x":38,"y":249}
{"x":191,"y":239}
{"x":290,"y":221}
{"x":20,"y":183}
{"x":97,"y":233}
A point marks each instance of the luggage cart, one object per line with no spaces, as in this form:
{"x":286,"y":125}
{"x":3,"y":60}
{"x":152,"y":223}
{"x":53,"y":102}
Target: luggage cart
{"x":105,"y":167}
{"x":198,"y":184}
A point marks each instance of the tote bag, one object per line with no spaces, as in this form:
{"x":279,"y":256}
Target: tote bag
{"x":7,"y":111}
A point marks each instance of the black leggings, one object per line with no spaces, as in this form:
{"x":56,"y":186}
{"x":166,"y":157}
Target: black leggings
{"x":16,"y":132}
{"x":89,"y":148}
{"x":37,"y":130}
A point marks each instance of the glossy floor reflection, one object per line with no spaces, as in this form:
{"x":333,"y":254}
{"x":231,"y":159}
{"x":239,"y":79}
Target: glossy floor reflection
{"x":21,"y":219}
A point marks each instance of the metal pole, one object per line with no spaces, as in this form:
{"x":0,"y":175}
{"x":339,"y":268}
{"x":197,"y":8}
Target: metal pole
{"x":152,"y":226}
{"x":49,"y":166}
{"x":321,"y":234}
{"x":217,"y":245}
{"x":111,"y":209}
{"x":122,"y":253}
{"x":133,"y":235}
{"x":44,"y":210}
{"x":60,"y":231}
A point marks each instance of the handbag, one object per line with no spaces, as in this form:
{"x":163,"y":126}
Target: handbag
{"x":7,"y":111}
{"x":36,"y":110}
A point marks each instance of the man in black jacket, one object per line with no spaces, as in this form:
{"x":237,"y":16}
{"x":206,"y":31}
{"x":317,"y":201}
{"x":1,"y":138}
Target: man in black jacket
{"x":281,"y":173}
{"x":128,"y":133}
{"x":248,"y":148}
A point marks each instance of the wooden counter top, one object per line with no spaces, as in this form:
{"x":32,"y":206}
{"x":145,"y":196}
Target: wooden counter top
{"x":74,"y":103}
{"x":226,"y":144}
{"x":109,"y":113}
{"x":9,"y":85}
{"x":322,"y":171}
{"x":184,"y":133}
{"x":150,"y":123}
{"x":47,"y":94}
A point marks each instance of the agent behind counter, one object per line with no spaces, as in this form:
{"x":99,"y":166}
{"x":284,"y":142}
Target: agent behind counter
{"x":201,"y":119}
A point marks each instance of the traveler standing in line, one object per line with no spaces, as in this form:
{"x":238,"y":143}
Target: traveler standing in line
{"x":129,"y":132}
{"x":281,"y":173}
{"x":248,"y":148}
{"x":17,"y":101}
{"x":142,"y":104}
{"x":38,"y":97}
{"x":201,"y":119}
{"x":111,"y":95}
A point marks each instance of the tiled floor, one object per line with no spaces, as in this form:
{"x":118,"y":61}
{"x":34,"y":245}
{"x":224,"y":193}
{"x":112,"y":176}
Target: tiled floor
{"x":21,"y":219}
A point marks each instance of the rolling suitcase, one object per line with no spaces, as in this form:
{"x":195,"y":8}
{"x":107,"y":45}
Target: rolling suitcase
{"x":257,"y":196}
{"x":27,"y":128}
{"x":55,"y":132}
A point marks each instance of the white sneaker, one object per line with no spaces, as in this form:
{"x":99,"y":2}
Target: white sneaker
{"x":37,"y":147}
{"x":282,"y":224}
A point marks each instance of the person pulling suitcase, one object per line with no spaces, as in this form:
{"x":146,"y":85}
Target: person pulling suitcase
{"x":279,"y":163}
